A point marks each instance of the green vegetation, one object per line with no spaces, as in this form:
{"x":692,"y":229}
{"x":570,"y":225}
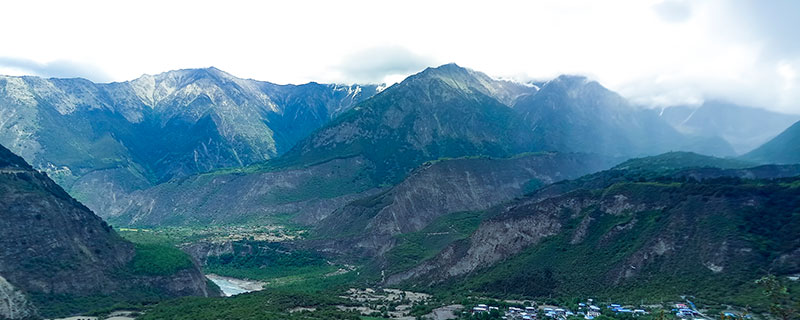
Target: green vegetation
{"x":156,"y":254}
{"x":392,"y":151}
{"x":532,"y":185}
{"x":781,"y":304}
{"x":600,"y":263}
{"x":62,"y":305}
{"x":159,"y":260}
{"x":785,"y":148}
{"x":181,"y":235}
{"x":262,"y":305}
{"x":267,"y":261}
{"x":669,"y":162}
{"x":322,"y":187}
{"x":416,"y":247}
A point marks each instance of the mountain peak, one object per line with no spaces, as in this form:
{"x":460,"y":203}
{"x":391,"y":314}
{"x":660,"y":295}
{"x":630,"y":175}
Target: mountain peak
{"x":190,"y":74}
{"x":578,"y":85}
{"x":452,"y":66}
{"x":450,"y":70}
{"x":471,"y":81}
{"x":571,"y":80}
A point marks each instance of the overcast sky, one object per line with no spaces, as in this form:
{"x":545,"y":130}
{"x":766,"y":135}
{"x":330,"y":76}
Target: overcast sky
{"x":653,"y":52}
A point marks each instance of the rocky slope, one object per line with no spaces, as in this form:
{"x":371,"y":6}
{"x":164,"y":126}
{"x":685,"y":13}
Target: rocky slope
{"x":745,"y":128}
{"x":785,"y":148}
{"x":56,"y":251}
{"x":102,"y":141}
{"x":368,"y":226}
{"x":304,"y":194}
{"x":624,"y":233}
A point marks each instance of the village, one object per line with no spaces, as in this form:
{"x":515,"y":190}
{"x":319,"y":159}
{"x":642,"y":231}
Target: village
{"x":589,"y":310}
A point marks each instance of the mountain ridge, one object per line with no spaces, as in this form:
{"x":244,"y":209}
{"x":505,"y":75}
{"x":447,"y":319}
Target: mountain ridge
{"x":745,"y":128}
{"x":123,"y":136}
{"x":629,"y":233}
{"x":441,"y":112}
{"x":56,"y":253}
{"x":784,"y":148}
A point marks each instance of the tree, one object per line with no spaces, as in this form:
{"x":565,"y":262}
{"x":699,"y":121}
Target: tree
{"x":780,"y":302}
{"x":661,"y":315}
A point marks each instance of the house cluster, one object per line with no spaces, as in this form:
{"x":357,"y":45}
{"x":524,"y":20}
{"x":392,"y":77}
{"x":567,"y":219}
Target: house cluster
{"x":683,"y":311}
{"x":527,"y":313}
{"x":482,"y":308}
{"x":587,"y":310}
{"x":618,"y":309}
{"x":590,"y":311}
{"x":728,"y":315}
{"x":557,"y":313}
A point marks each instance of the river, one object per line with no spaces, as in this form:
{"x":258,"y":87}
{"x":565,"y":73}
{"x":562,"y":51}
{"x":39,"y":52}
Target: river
{"x":232,"y":286}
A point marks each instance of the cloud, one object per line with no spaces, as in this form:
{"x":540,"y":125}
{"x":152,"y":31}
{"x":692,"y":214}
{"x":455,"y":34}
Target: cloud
{"x":742,"y":51}
{"x":379,"y":64}
{"x":56,"y":69}
{"x":773,"y":24}
{"x":654,"y":51}
{"x":673,"y":10}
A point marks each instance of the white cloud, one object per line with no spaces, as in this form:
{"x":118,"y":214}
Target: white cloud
{"x":655,"y":52}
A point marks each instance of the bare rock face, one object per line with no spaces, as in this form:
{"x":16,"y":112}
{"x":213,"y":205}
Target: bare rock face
{"x":443,"y":187}
{"x":53,"y":245}
{"x":201,"y":251}
{"x":497,"y":239}
{"x":13,"y":304}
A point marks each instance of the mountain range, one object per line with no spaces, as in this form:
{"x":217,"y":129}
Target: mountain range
{"x":744,"y":128}
{"x":118,"y":137}
{"x":450,"y":180}
{"x":444,"y":112}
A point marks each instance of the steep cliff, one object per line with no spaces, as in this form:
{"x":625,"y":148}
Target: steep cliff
{"x":59,"y":257}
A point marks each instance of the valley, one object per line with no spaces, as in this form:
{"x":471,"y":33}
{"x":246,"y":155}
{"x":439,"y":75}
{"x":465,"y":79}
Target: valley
{"x":194,"y":194}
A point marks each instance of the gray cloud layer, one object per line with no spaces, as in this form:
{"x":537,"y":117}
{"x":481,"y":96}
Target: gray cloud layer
{"x":373,"y":64}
